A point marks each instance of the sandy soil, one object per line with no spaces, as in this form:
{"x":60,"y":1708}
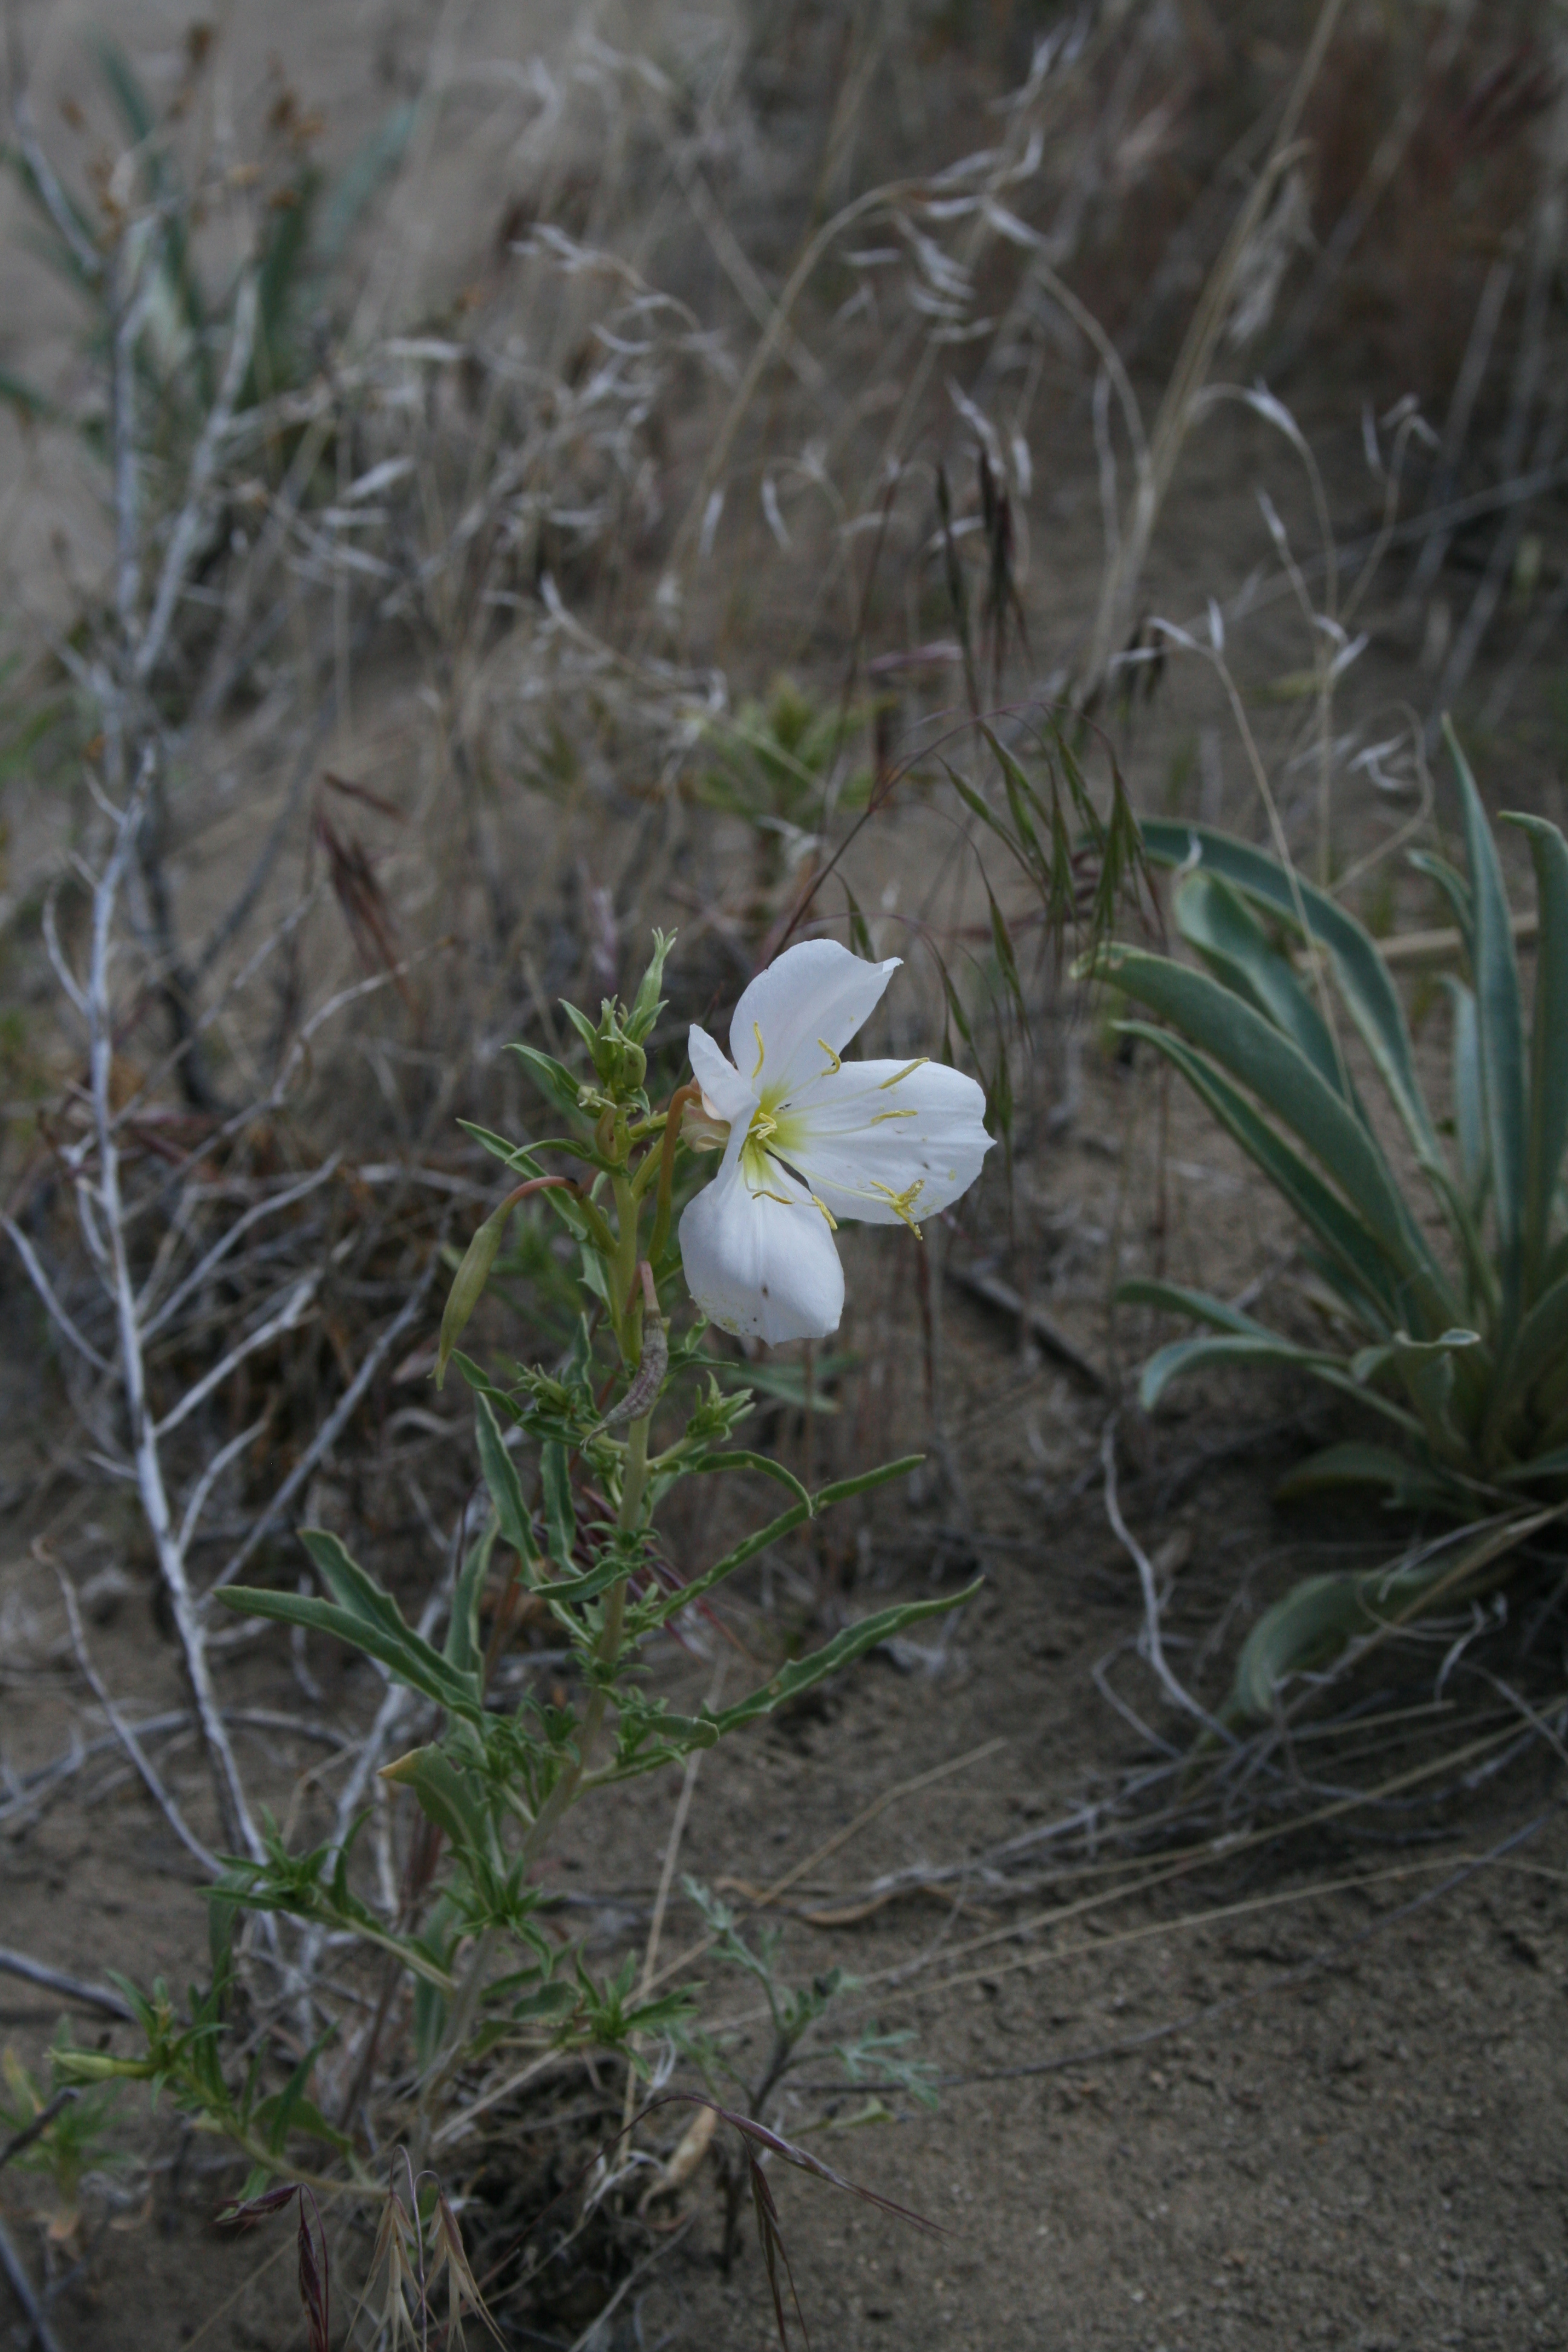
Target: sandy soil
{"x":1308,"y":2089}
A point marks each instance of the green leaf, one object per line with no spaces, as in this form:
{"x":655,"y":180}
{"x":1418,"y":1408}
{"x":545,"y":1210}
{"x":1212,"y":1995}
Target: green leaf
{"x":1024,"y":804}
{"x":1177,"y":1298}
{"x":843,"y":1490}
{"x":1359,"y":1464}
{"x":560,"y":1514}
{"x":1548,"y":1128}
{"x":124,"y":88}
{"x":1469,"y":1118}
{"x":1540,"y":1345}
{"x":519,"y":1157}
{"x":1365,"y":979}
{"x":1456,"y":889}
{"x":502,"y":1478}
{"x":443,"y":1796}
{"x":804,"y":1673}
{"x":1312,"y":1625}
{"x":370,"y":165}
{"x":554,"y":1079}
{"x":463,"y":1649}
{"x":365,"y":1617}
{"x":1002,"y":943}
{"x":859,"y":930}
{"x":740,"y":1459}
{"x":1215,"y":919}
{"x":1275,"y":1069}
{"x":1428,"y":1368}
{"x":1261,"y":1347}
{"x":1372,"y":1280}
{"x":1500,"y":1026}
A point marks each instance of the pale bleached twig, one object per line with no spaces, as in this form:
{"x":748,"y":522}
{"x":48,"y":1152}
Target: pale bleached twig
{"x":103,"y":1195}
{"x":91,"y":1996}
{"x":286,"y":1318}
{"x":56,"y":1312}
{"x":220,"y":1249}
{"x":327,"y":1436}
{"x":187,"y":530}
{"x":1151,"y":1644}
{"x":197,"y":1499}
{"x":41,"y":2334}
{"x":124,"y":1734}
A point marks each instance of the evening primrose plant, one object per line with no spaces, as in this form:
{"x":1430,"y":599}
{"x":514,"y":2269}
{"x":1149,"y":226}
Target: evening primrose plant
{"x":577,"y":1458}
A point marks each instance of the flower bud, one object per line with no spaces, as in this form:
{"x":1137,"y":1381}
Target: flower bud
{"x":469,"y":1285}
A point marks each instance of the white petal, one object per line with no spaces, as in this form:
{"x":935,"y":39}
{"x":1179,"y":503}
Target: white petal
{"x":879,"y":1131}
{"x":816,"y":995}
{"x":763,"y":1267}
{"x":724,"y":1091}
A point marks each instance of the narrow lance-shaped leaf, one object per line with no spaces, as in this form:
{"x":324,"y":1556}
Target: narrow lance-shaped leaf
{"x":560,"y":1514}
{"x":1313,"y":1624}
{"x":364,"y":1616}
{"x":1499,"y":1027}
{"x":1276,"y":1070}
{"x":1215,"y":919}
{"x":1365,"y":979}
{"x":1548,"y":1128}
{"x":463,"y":1649}
{"x":1357,"y":1255}
{"x":1470,"y":1120}
{"x":500,"y":1475}
{"x":802,"y":1674}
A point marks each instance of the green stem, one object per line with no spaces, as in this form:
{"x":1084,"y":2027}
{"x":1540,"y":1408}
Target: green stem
{"x":606,"y":1650}
{"x":622,"y":1270}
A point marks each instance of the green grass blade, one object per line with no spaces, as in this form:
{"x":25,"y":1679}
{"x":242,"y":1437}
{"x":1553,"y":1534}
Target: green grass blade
{"x":1548,"y":1044}
{"x":1365,"y":979}
{"x":360,"y":179}
{"x":1499,"y":1027}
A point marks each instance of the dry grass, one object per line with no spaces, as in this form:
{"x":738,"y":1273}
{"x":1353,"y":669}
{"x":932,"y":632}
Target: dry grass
{"x":425,"y":648}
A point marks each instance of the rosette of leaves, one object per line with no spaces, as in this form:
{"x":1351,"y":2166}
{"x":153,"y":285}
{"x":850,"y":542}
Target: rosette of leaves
{"x":774,"y":762}
{"x":1450,"y":1333}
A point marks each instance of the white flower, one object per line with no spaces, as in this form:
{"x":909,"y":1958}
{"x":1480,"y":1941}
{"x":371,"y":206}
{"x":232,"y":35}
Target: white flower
{"x":809,"y":1139}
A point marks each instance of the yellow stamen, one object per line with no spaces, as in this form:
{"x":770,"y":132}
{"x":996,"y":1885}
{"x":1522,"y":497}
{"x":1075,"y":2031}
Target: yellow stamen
{"x":832,"y":1220}
{"x":902,"y":1203}
{"x":917,"y":1064}
{"x":878,"y":1117}
{"x":762,"y":1049}
{"x":834,"y":1063}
